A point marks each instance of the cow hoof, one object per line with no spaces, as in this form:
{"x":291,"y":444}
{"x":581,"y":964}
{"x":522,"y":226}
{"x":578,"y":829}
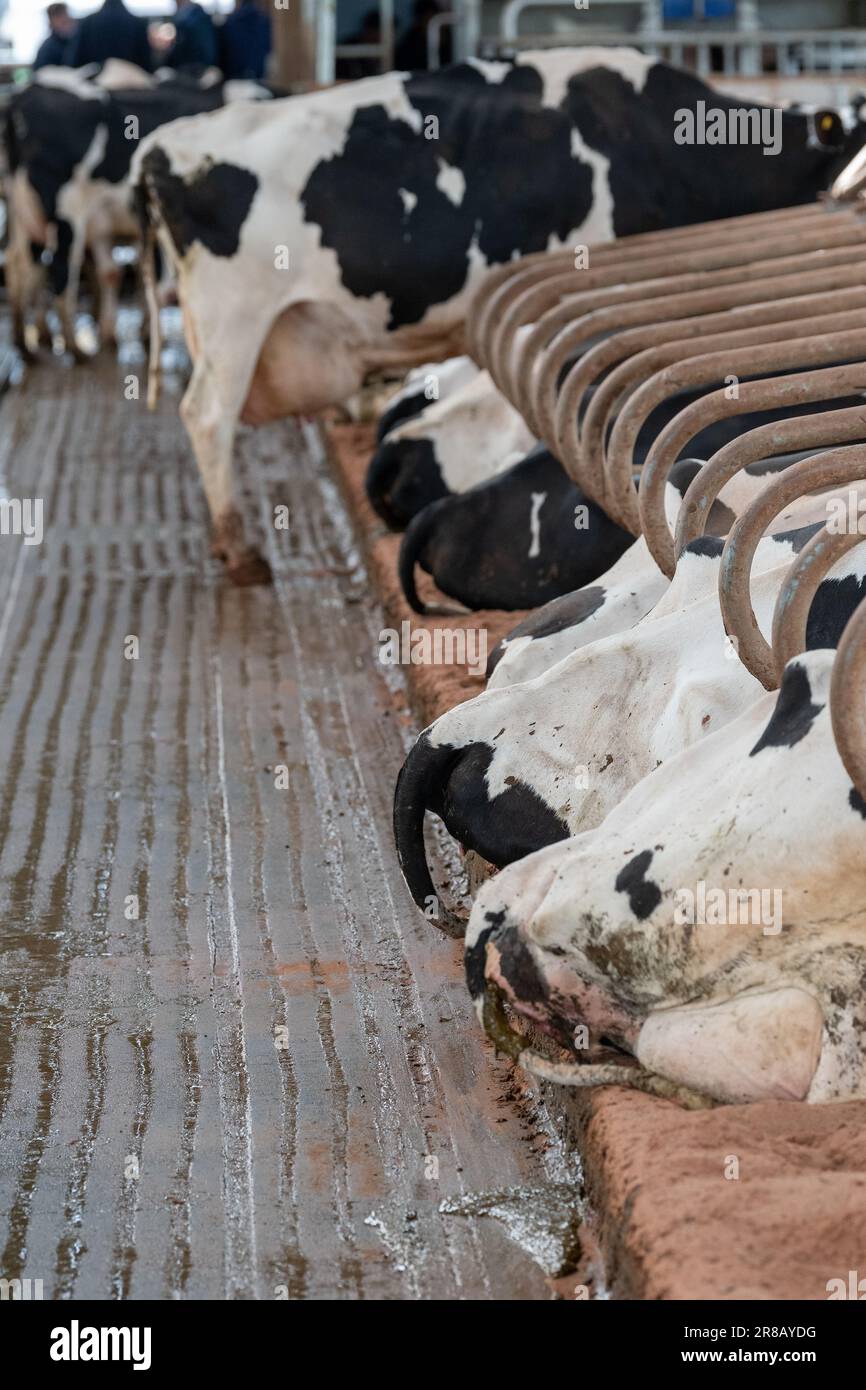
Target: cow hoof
{"x":249,"y":568}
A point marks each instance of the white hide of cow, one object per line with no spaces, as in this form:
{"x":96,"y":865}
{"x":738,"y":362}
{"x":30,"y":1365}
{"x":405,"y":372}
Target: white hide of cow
{"x":271,"y":342}
{"x":756,"y":998}
{"x":437,"y":380}
{"x":475,"y":432}
{"x":583,"y":733}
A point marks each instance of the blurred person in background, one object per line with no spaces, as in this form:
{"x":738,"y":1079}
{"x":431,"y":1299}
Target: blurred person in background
{"x":195,"y":40}
{"x":52,"y":51}
{"x":112,"y":32}
{"x":245,"y":42}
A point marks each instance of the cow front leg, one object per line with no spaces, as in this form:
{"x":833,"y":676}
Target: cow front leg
{"x":210,"y":416}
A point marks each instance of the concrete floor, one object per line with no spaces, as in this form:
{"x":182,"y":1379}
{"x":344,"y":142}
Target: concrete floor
{"x":232,"y":1055}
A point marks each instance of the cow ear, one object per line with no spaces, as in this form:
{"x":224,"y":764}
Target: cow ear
{"x":829,"y":128}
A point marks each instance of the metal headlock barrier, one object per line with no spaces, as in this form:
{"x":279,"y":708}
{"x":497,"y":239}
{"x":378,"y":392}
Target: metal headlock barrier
{"x":762,"y":313}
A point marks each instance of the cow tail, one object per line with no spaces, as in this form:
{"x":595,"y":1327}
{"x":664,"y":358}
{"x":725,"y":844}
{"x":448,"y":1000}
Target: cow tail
{"x":151,"y":294}
{"x":412,"y":547}
{"x":418,"y":790}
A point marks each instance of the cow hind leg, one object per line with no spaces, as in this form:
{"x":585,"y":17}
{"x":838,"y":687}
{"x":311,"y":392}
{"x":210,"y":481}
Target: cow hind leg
{"x":68,"y":261}
{"x":210,"y":414}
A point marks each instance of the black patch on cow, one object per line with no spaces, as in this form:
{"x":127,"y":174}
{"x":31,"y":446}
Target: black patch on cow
{"x":49,"y":132}
{"x":856,"y":802}
{"x":570,"y":610}
{"x":522,"y":185}
{"x":476,"y":543}
{"x":644,"y":896}
{"x":765,"y":467}
{"x":58,"y":269}
{"x":798,"y":537}
{"x":518,"y":967}
{"x":405,"y":409}
{"x":683,"y":474}
{"x":502,"y":828}
{"x":149,"y":108}
{"x":475,"y":955}
{"x":794,"y":713}
{"x":711,"y":546}
{"x":210,"y":207}
{"x":657,"y":183}
{"x":403,"y":478}
{"x":834,"y":603}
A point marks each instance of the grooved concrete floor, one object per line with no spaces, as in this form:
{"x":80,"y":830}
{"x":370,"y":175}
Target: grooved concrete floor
{"x":229,"y":1046}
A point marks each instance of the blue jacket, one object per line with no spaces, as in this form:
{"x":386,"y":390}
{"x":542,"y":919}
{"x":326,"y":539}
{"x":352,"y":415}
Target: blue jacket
{"x":195,"y":45}
{"x":110,"y":33}
{"x":245,"y":42}
{"x":52,"y":52}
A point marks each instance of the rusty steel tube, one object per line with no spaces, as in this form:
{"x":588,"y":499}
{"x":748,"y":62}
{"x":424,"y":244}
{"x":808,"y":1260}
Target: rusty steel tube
{"x":847,"y":692}
{"x":525,"y":306}
{"x":480,"y":306}
{"x":547,"y":367}
{"x":583,"y":441}
{"x":654,"y":320}
{"x":800,"y":387}
{"x":809,"y":569}
{"x":579,"y":445}
{"x":836,"y":466}
{"x":556,"y":318}
{"x":542,"y":265}
{"x":816,"y":431}
{"x":624,"y":293}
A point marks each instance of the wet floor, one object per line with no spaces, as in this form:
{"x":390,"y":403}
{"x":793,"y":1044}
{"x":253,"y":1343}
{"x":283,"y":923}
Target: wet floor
{"x":234,"y":1060}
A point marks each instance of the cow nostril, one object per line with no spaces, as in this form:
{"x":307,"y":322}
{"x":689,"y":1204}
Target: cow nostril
{"x":496,"y":1025}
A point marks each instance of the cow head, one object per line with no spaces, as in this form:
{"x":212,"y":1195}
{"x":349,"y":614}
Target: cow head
{"x":709,"y":928}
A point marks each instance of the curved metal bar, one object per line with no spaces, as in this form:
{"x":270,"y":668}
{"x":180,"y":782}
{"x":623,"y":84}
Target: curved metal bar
{"x":594,"y":430}
{"x":582,"y":460}
{"x":542,"y":384}
{"x":809,"y":569}
{"x":481,"y":307}
{"x":525,"y":307}
{"x":784,"y":219}
{"x":824,"y":428}
{"x":646,"y":510}
{"x":650,"y":348}
{"x":837,"y":466}
{"x":847,"y":694}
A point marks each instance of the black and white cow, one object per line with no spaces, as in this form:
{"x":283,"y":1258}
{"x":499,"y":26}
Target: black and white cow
{"x":472,"y":435}
{"x":422,"y":387}
{"x":525,"y":765}
{"x":470,"y":542}
{"x":332,"y":234}
{"x":517,"y":541}
{"x":707,"y":940}
{"x":69,"y":144}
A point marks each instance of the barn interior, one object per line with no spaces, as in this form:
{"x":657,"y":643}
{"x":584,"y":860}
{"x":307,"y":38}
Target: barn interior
{"x":236,"y":1061}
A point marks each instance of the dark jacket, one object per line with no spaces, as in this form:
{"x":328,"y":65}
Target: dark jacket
{"x":110,"y":33}
{"x":195,"y":46}
{"x":52,"y":52}
{"x":245,"y":42}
